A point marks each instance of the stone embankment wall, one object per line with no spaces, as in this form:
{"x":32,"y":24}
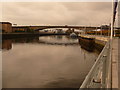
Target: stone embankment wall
{"x":91,"y":43}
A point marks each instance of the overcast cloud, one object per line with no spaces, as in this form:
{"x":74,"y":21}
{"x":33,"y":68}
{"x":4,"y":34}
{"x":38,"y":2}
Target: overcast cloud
{"x":57,"y":13}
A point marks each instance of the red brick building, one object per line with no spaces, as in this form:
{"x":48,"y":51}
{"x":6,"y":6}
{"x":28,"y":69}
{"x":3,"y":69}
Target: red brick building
{"x":5,"y":27}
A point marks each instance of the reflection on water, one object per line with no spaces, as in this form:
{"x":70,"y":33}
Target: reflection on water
{"x":52,"y":40}
{"x":45,"y":62}
{"x":6,"y":44}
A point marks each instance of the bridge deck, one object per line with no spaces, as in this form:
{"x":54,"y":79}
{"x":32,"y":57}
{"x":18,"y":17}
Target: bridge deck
{"x":118,"y":63}
{"x":98,"y":37}
{"x":115,"y":62}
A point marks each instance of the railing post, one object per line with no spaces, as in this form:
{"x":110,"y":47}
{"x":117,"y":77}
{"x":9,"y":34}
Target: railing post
{"x":104,"y":71}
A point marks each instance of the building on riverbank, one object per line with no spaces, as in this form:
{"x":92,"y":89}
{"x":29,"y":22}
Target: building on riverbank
{"x":20,"y":29}
{"x":5,"y":27}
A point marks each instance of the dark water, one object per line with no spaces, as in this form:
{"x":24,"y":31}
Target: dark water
{"x":45,"y":62}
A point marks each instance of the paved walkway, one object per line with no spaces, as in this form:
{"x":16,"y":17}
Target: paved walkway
{"x":115,"y":62}
{"x":98,"y":37}
{"x":0,"y":70}
{"x":119,"y":63}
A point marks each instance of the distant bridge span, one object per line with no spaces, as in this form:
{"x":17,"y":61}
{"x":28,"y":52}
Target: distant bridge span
{"x":37,"y":28}
{"x":75,"y":27}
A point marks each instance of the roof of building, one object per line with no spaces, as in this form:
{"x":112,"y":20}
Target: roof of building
{"x":5,"y":23}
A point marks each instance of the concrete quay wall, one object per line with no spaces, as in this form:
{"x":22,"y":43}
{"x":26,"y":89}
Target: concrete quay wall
{"x":99,"y":41}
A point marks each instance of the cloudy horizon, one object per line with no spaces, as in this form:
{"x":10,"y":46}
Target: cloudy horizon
{"x":57,"y":13}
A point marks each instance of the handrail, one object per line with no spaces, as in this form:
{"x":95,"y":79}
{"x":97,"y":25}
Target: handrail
{"x":97,"y":65}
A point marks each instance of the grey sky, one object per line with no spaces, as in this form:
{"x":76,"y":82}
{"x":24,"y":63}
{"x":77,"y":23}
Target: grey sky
{"x":57,"y":13}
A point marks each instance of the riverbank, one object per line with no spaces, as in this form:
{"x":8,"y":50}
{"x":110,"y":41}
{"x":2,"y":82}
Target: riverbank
{"x":21,"y":35}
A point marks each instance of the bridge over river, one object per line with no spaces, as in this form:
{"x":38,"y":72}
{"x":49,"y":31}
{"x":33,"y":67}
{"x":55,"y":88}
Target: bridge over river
{"x":66,"y":26}
{"x":36,"y":28}
{"x":104,"y":73}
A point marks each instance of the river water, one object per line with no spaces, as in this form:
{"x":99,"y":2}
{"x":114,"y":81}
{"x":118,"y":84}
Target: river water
{"x":45,"y":62}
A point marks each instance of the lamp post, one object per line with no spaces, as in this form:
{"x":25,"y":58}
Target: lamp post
{"x":96,"y":30}
{"x":101,"y":30}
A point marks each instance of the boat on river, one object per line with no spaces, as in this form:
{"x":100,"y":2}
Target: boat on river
{"x":73,"y":35}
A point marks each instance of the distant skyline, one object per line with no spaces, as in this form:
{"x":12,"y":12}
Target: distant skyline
{"x":57,"y":13}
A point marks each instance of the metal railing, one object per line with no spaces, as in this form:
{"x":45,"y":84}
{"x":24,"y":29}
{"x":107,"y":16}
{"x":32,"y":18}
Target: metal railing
{"x":100,"y":73}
